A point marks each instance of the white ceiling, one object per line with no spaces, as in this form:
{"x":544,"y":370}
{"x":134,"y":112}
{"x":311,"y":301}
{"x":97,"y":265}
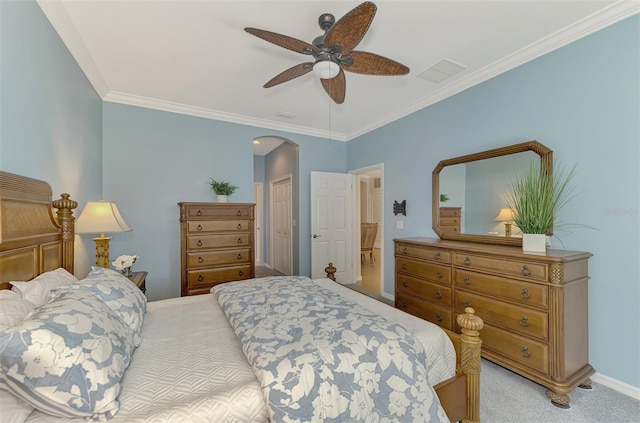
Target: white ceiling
{"x":194,"y":57}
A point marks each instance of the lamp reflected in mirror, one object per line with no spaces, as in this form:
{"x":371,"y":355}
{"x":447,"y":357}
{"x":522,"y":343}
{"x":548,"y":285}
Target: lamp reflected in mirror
{"x":100,"y":217}
{"x":506,"y":216}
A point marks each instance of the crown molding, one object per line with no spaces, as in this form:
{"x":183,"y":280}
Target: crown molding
{"x":597,"y":21}
{"x":59,"y":19}
{"x":168,"y":106}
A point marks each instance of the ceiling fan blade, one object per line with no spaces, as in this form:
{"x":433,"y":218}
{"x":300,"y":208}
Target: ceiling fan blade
{"x":336,"y":87}
{"x":289,"y":43}
{"x":373,"y":64}
{"x":289,"y":74}
{"x":350,"y":29}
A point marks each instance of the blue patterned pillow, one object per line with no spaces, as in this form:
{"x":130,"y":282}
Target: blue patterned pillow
{"x":117,"y":292}
{"x":68,"y":357}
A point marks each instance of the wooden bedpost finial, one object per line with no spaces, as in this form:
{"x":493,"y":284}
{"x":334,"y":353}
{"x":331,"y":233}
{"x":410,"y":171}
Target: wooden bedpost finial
{"x":65,"y":206}
{"x":330,"y":271}
{"x":470,"y":322}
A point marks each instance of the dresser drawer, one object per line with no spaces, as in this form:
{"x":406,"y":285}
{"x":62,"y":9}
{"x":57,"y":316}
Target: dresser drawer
{"x":218,"y":226}
{"x":195,"y":211}
{"x":430,"y":312}
{"x":210,"y":277}
{"x":441,"y":256}
{"x":430,"y":291}
{"x":425,"y":270}
{"x":517,"y":348}
{"x":218,"y":257}
{"x":515,"y":290}
{"x":450,"y":212}
{"x":520,"y":319}
{"x":517,"y":268}
{"x":198,"y":242}
{"x":449,"y":221}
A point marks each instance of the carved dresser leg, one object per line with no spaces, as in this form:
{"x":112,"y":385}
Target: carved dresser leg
{"x":586,"y":384}
{"x":559,"y":400}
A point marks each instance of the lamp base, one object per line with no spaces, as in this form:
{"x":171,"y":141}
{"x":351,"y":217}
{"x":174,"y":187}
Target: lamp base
{"x":507,"y":229}
{"x":102,"y":251}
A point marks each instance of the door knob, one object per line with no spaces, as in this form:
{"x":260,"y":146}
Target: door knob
{"x":316,"y":236}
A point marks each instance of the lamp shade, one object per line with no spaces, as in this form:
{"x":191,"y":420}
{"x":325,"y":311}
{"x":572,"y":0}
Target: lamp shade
{"x":505,"y":215}
{"x":326,"y":69}
{"x":101,"y":217}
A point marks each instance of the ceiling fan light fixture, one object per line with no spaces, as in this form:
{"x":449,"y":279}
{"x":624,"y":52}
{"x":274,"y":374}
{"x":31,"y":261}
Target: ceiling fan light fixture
{"x":326,"y":69}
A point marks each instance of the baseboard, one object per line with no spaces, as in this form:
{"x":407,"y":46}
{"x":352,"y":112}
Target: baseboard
{"x":389,"y":296}
{"x":623,"y":388}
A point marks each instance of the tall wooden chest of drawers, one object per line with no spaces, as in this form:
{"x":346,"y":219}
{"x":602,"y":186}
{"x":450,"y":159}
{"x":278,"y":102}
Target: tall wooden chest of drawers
{"x":216,"y":245}
{"x":534,"y":307}
{"x":450,"y":218}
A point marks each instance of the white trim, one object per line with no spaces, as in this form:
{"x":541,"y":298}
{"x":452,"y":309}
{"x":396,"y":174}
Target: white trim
{"x":622,"y":387}
{"x":389,"y":296}
{"x":258,"y":194}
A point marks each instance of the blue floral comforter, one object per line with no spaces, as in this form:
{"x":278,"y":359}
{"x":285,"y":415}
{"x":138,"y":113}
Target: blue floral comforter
{"x":319,"y":357}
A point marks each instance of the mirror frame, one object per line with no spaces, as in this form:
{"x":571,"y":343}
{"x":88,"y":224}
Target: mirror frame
{"x":546,"y":163}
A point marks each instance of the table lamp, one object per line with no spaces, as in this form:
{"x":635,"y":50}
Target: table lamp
{"x":506,"y":216}
{"x":100,"y":217}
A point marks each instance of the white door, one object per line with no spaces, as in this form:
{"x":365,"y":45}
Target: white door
{"x":281,"y":225}
{"x":331,"y":225}
{"x":259,"y":241}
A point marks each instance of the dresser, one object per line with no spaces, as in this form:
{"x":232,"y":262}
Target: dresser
{"x":216,"y":245}
{"x":534,"y":307}
{"x":450,"y":219}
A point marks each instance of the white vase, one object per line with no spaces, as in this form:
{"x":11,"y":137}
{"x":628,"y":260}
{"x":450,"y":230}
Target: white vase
{"x":223,"y":198}
{"x":534,"y":243}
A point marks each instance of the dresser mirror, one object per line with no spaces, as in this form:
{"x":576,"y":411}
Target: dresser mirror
{"x":471,"y":188}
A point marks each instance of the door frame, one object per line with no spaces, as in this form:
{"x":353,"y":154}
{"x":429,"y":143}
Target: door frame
{"x":258,"y":198}
{"x":273,"y":182}
{"x":357,"y":220}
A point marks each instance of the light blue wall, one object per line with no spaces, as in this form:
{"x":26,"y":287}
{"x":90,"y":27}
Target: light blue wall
{"x":583,"y":102}
{"x":153,"y":160}
{"x":51,"y":117}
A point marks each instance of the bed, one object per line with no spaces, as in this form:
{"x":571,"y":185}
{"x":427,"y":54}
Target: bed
{"x":176,"y":373}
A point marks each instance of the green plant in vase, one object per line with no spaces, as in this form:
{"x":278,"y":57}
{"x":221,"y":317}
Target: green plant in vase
{"x":222,"y":189}
{"x":536,"y":196}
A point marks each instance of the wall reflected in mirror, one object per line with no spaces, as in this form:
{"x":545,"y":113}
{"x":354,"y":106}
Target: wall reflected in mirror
{"x":477,"y":188}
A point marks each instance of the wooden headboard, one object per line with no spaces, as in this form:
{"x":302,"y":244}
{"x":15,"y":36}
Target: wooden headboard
{"x":32,"y":239}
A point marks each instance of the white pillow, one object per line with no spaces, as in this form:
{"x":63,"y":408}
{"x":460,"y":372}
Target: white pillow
{"x":38,"y":291}
{"x":67,"y":358}
{"x":13,"y":409}
{"x":13,"y":309}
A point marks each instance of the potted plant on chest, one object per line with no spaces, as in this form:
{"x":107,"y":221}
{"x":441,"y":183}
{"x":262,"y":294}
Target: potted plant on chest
{"x":536,"y":196}
{"x":222,"y":189}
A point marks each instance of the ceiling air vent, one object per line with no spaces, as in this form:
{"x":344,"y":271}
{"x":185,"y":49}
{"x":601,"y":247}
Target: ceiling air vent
{"x":442,"y":70}
{"x":286,"y":115}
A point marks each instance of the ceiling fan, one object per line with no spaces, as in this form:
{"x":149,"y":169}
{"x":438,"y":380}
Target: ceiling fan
{"x":333,"y":52}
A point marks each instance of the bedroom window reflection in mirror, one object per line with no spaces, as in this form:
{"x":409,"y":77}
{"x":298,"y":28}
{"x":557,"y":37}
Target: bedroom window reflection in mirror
{"x":474,"y":185}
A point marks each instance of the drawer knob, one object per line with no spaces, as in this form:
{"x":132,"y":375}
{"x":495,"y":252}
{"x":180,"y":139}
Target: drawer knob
{"x":525,"y":352}
{"x":439,"y":273}
{"x":199,"y":227}
{"x":404,"y":266}
{"x":199,"y":243}
{"x":200,"y":278}
{"x":239,"y":256}
{"x":239,"y":213}
{"x":524,"y":322}
{"x":239,"y":226}
{"x":524,"y":294}
{"x":525,"y":270}
{"x":199,"y":213}
{"x":467,"y":280}
{"x":405,"y":284}
{"x":467,"y":261}
{"x":200,"y":260}
{"x":439,"y":317}
{"x":241,"y":273}
{"x":438,"y":294}
{"x":404,"y":303}
{"x":437,"y":256}
{"x":467,"y":302}
{"x":239,"y":240}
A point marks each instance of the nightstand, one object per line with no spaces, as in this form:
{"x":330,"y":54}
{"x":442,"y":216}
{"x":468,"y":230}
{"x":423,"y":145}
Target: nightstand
{"x":139,"y":279}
